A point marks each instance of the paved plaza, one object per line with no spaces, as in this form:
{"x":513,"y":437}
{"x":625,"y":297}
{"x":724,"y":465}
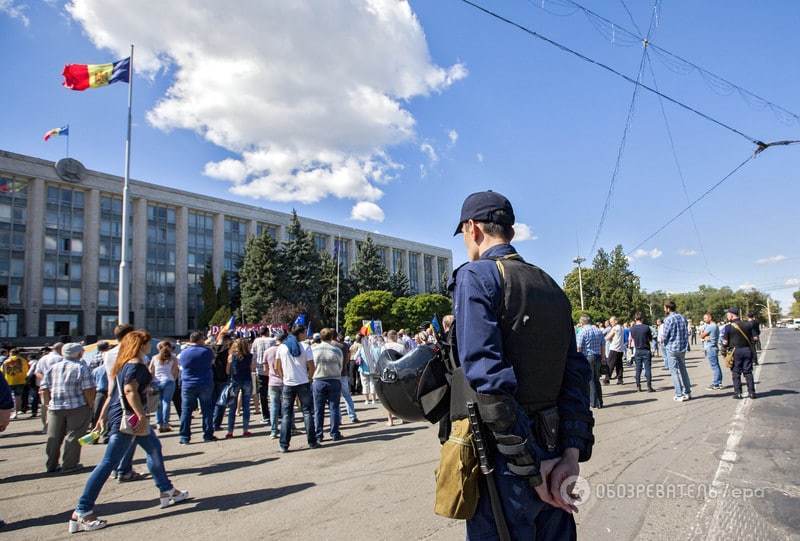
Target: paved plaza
{"x":654,"y":464}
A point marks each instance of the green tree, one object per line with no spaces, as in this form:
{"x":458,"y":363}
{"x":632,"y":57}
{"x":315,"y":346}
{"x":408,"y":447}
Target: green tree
{"x":259,"y":277}
{"x":369,"y":273}
{"x":369,"y":305}
{"x":398,"y":284}
{"x":224,"y":292}
{"x":208,"y":298}
{"x":795,"y":312}
{"x":300,"y":267}
{"x":221,"y":316}
{"x":411,"y":312}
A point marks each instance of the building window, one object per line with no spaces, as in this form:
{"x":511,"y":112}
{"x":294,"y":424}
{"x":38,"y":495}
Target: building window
{"x":320,"y":242}
{"x":63,"y":244}
{"x":428,"y":268}
{"x":269,"y":229}
{"x":110,"y":250}
{"x":341,"y":251}
{"x":8,"y":325}
{"x":398,"y":261}
{"x":413,"y":272}
{"x":442,"y":268}
{"x":13,"y":216}
{"x":200,"y":249}
{"x":160,"y":274}
{"x":235,"y":241}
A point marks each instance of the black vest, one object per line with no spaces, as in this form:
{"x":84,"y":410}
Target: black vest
{"x":735,"y":338}
{"x":536,"y":324}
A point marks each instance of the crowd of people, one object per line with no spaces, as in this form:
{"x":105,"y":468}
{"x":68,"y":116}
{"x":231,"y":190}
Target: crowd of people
{"x":609,"y":346}
{"x":103,"y":393}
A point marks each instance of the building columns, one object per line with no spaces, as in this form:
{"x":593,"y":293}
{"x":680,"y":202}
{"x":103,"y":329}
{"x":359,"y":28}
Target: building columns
{"x":252,"y":228}
{"x":91,"y":250}
{"x":34,"y":255}
{"x":218,"y":253}
{"x":181,"y":271}
{"x":423,"y":286}
{"x":139,"y":267}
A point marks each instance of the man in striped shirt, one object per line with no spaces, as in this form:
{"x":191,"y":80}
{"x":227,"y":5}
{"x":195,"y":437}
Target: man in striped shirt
{"x":591,"y":343}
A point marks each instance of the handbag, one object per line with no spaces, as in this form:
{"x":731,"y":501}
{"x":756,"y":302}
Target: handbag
{"x":124,"y":425}
{"x":729,"y":355}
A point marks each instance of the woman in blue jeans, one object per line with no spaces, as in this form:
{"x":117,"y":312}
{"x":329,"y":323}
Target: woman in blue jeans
{"x":130,"y":374}
{"x":164,"y":368}
{"x":239,"y":369}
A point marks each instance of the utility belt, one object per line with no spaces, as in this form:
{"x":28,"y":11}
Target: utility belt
{"x":545,"y":417}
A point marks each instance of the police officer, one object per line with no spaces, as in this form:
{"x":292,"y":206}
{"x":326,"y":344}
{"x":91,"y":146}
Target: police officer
{"x":519,"y":362}
{"x":738,"y":334}
{"x":751,"y":317}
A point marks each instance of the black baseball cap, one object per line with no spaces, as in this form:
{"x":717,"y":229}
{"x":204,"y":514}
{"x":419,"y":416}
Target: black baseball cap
{"x":486,"y":206}
{"x":734,"y":311}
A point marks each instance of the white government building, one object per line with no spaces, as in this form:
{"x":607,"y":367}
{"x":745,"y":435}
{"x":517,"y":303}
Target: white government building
{"x":60,"y":232}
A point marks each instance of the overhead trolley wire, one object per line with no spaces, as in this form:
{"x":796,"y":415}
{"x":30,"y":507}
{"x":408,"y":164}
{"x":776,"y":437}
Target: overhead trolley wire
{"x":611,"y":70}
{"x":618,"y":34}
{"x":621,"y":148}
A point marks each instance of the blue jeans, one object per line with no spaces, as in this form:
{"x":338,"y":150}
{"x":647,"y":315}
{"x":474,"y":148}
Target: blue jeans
{"x":665,"y":354}
{"x":680,"y":377}
{"x":166,"y":389}
{"x":595,"y":389}
{"x":287,"y":419}
{"x":643,"y":358}
{"x":219,"y":411}
{"x":712,"y":354}
{"x":526,"y":515}
{"x":247,"y":393}
{"x":118,"y":445}
{"x":275,"y":392}
{"x":327,"y":391}
{"x":348,"y":400}
{"x":189,"y":398}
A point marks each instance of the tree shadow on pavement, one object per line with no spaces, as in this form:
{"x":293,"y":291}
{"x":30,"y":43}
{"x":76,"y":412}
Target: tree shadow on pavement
{"x":17,"y":445}
{"x":629,"y":403}
{"x":381,"y":435}
{"x":220,"y":468}
{"x":220,"y":502}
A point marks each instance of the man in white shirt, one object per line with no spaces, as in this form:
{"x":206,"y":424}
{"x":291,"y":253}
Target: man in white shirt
{"x":259,"y":347}
{"x":392,"y":343}
{"x":615,"y":338}
{"x":293,"y":364}
{"x":43,"y":366}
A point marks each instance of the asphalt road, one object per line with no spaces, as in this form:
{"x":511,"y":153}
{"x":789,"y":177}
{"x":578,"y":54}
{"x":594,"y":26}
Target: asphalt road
{"x":654,"y":466}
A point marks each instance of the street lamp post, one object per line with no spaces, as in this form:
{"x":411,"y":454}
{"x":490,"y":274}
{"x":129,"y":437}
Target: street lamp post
{"x":578,"y":260}
{"x":769,"y":312}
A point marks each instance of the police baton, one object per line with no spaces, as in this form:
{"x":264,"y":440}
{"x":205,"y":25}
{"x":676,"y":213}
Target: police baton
{"x":487,"y":470}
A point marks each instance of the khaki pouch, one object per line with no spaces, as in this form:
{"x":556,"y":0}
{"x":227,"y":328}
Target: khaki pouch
{"x":458,"y":474}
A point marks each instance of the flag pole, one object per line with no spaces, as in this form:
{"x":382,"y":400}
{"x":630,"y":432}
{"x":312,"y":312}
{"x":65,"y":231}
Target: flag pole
{"x":67,"y":140}
{"x":338,"y":258}
{"x":124,"y":278}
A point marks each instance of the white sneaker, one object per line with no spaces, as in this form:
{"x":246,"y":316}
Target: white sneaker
{"x":677,"y":398}
{"x":686,"y":398}
{"x":171,"y":498}
{"x":82,"y":525}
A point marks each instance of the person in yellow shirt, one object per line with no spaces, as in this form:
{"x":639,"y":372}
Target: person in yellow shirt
{"x":15,"y":370}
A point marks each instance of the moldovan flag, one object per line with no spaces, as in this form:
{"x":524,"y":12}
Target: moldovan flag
{"x":229,"y":326}
{"x":83,"y":76}
{"x":64,"y":130}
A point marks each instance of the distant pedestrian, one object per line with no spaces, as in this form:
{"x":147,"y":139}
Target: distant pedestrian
{"x":239,"y":367}
{"x":294,"y":364}
{"x":69,"y":391}
{"x":345,"y":379}
{"x":221,"y":349}
{"x":327,"y":385}
{"x":710,"y":337}
{"x":42,"y":367}
{"x":164,"y":368}
{"x":616,"y":340}
{"x":258,"y":348}
{"x":591,"y":343}
{"x":197,"y":385}
{"x":751,"y":318}
{"x":676,"y":343}
{"x":640,"y":338}
{"x":274,"y":383}
{"x":15,"y":372}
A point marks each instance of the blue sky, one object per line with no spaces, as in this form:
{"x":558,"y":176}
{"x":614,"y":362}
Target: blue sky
{"x":532,"y":122}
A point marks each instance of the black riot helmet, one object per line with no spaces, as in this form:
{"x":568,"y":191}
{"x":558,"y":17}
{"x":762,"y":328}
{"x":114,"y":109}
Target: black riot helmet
{"x":413,"y":386}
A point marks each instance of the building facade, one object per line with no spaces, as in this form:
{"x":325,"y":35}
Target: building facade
{"x":61,"y":244}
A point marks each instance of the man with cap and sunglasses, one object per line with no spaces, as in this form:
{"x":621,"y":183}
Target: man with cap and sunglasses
{"x":518,"y":362}
{"x":738,"y":334}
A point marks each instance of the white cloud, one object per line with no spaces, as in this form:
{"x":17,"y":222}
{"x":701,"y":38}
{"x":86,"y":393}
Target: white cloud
{"x":306,"y":111}
{"x":453,"y":136}
{"x":366,"y":210}
{"x":523,"y":232}
{"x":747,"y":286}
{"x":655,"y":253}
{"x":15,"y":11}
{"x":429,"y":151}
{"x":687,"y":252}
{"x":769,"y":260}
{"x":479,"y":156}
{"x":793,"y":282}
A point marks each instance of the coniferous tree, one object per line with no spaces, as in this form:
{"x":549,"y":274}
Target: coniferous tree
{"x":209,"y":298}
{"x":300,"y":267}
{"x":259,"y":277}
{"x":223,"y":292}
{"x":328,"y":291}
{"x":398,"y":284}
{"x":369,"y":272}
